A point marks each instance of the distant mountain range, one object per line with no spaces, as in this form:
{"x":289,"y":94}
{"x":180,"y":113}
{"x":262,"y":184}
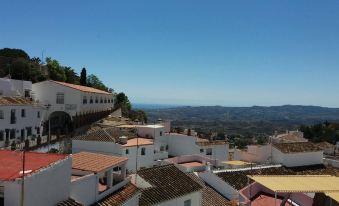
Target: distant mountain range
{"x":256,"y":118}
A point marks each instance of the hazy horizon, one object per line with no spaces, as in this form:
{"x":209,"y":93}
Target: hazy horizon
{"x":193,"y":52}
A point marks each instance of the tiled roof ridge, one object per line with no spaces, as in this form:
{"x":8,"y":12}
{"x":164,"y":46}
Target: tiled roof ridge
{"x":80,"y":87}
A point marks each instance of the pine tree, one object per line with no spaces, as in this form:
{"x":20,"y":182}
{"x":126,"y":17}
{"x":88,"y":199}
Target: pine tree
{"x":83,"y":77}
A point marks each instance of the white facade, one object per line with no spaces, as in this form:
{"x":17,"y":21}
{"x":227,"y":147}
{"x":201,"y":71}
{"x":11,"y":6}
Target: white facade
{"x":47,"y":187}
{"x":260,"y":154}
{"x":13,"y":87}
{"x":180,"y":144}
{"x":297,"y":159}
{"x":70,"y":100}
{"x":18,"y":122}
{"x":144,"y":160}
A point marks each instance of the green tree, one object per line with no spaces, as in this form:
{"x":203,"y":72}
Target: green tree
{"x":123,"y":102}
{"x":71,"y":76}
{"x":95,"y":82}
{"x":83,"y":77}
{"x":14,"y":53}
{"x":55,"y":71}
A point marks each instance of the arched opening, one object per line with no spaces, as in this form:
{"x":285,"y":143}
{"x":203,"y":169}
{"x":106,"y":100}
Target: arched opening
{"x":61,"y":123}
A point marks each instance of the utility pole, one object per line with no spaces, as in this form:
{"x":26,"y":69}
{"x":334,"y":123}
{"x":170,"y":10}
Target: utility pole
{"x":23,"y":179}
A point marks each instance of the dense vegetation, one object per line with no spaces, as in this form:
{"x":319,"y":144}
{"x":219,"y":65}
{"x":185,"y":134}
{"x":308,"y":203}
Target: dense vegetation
{"x":326,"y":131}
{"x":17,"y":64}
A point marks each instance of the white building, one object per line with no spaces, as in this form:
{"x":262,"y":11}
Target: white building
{"x":46,"y":182}
{"x":70,"y":102}
{"x":97,"y":176}
{"x":288,"y":154}
{"x":175,"y":144}
{"x":139,"y":151}
{"x":297,"y":154}
{"x":167,"y":186}
{"x":13,"y":87}
{"x":20,"y":118}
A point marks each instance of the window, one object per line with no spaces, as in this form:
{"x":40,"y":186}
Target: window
{"x":1,"y":135}
{"x":101,"y":101}
{"x":1,"y":114}
{"x":166,"y":147}
{"x":162,"y":148}
{"x":38,"y":114}
{"x":84,"y":100}
{"x":38,"y":130}
{"x":127,"y":151}
{"x":1,"y":92}
{"x":209,"y":151}
{"x":13,"y":117}
{"x":60,"y":98}
{"x":96,"y":100}
{"x":27,"y":93}
{"x":91,"y":100}
{"x":160,"y":133}
{"x":105,"y":101}
{"x":29,"y":131}
{"x":143,"y":151}
{"x":187,"y":203}
{"x":12,"y":134}
{"x":201,"y":150}
{"x":23,"y":113}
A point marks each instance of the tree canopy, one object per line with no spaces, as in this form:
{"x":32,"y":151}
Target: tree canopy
{"x":83,"y":77}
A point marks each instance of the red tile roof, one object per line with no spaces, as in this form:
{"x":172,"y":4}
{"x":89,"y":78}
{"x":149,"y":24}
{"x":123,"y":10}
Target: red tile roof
{"x":81,"y":88}
{"x":119,"y":197}
{"x":15,"y":101}
{"x":11,"y":163}
{"x":138,"y":141}
{"x":94,"y":162}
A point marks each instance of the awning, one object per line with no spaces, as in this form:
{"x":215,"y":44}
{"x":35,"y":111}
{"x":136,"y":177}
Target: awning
{"x":299,"y":183}
{"x":236,"y":162}
{"x":333,"y":195}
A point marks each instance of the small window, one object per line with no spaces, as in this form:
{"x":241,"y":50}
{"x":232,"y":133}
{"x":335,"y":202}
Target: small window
{"x":12,"y":134}
{"x":96,"y":100}
{"x":162,"y":148}
{"x":143,"y":151}
{"x":29,"y":131}
{"x":105,"y":101}
{"x":84,"y":100}
{"x":127,"y":151}
{"x":1,"y":114}
{"x":160,"y":133}
{"x":166,"y":147}
{"x":201,"y":150}
{"x":91,"y":100}
{"x":23,"y":113}
{"x":209,"y":151}
{"x":38,"y":114}
{"x":13,"y":116}
{"x":101,"y":101}
{"x":1,"y":135}
{"x":60,"y":98}
{"x":27,"y":93}
{"x":187,"y":203}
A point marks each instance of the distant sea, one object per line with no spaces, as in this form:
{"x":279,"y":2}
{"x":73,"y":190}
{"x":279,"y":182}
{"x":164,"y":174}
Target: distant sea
{"x":153,"y":106}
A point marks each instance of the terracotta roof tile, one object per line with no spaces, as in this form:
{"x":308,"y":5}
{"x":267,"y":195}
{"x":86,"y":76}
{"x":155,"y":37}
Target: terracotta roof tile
{"x":297,"y":147}
{"x":11,"y":163}
{"x":95,"y":162}
{"x":69,"y":202}
{"x":15,"y":101}
{"x":210,"y":197}
{"x":138,"y":141}
{"x":168,"y":182}
{"x":81,"y":88}
{"x":120,"y":196}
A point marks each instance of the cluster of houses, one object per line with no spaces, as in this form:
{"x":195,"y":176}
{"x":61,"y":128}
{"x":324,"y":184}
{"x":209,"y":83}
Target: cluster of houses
{"x":148,"y":164}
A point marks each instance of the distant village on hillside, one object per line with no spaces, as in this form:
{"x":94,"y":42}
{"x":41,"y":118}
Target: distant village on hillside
{"x":79,"y":143}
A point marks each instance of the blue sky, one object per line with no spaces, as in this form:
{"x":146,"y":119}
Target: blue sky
{"x":192,"y":52}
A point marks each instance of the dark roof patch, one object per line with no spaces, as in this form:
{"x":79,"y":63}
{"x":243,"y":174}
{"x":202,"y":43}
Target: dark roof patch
{"x":120,"y":196}
{"x":167,"y":182}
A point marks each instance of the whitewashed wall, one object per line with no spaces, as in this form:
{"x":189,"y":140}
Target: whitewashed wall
{"x":13,"y":87}
{"x":297,"y":159}
{"x":46,"y":188}
{"x":85,"y":189}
